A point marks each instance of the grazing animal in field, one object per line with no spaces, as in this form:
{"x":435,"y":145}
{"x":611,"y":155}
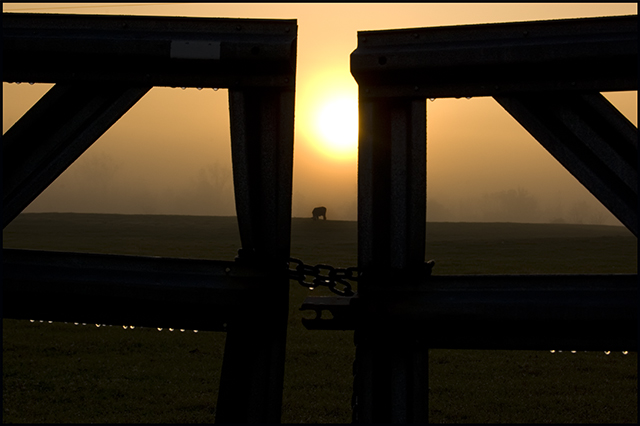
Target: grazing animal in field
{"x":319,"y":211}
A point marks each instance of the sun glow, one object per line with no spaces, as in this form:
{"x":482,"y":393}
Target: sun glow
{"x":337,"y":126}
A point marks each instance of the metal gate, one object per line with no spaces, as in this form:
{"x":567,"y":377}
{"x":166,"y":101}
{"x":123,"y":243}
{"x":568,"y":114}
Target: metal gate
{"x":101,"y":66}
{"x":548,"y":75}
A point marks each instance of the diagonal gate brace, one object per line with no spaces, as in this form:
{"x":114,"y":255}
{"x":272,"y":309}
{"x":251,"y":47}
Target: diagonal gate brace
{"x":54,"y":133}
{"x":591,"y":139}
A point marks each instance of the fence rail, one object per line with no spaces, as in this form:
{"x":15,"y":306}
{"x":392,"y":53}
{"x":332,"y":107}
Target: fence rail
{"x":131,"y":290}
{"x":541,"y":312}
{"x":149,"y":51}
{"x":495,"y":59}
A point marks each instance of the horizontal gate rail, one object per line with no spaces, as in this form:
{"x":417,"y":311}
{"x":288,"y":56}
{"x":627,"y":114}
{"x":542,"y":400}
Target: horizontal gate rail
{"x":565,"y":311}
{"x":130,"y":290}
{"x":149,"y":51}
{"x":591,"y":54}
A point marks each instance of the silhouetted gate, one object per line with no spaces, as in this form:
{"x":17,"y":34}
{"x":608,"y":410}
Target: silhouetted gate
{"x":101,"y":66}
{"x":548,"y":75}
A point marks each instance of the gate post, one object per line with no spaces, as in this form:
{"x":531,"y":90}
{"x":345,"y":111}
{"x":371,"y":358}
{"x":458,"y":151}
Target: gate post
{"x":391,"y":374}
{"x":252,"y":375}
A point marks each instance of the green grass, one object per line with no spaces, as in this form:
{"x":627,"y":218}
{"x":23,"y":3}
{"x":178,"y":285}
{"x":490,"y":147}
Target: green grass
{"x":66,"y":373}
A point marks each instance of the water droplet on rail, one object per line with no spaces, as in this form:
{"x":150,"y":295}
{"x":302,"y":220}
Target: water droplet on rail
{"x":125,"y":327}
{"x":50,"y":322}
{"x":171,"y":329}
{"x":199,"y":88}
{"x":607,"y":352}
{"x":32,"y":320}
{"x":553,"y":351}
{"x":131,"y":327}
{"x":195,"y":331}
{"x":18,"y":82}
{"x":573,"y":352}
{"x":75,"y":323}
{"x":84,"y":323}
{"x":432,"y":99}
{"x":182,"y":330}
{"x":159,"y":328}
{"x":559,"y":352}
{"x":183,"y":88}
{"x":98,"y":325}
{"x":215,"y":89}
{"x":31,"y":83}
{"x":625,"y":352}
{"x":468,"y":97}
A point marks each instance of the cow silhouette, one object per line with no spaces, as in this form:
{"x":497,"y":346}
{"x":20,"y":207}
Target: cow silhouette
{"x":319,"y":211}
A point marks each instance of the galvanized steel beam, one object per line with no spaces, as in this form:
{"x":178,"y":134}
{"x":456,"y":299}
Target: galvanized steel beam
{"x":590,"y":54}
{"x":262,"y":151}
{"x":252,"y":375}
{"x":129,"y":290}
{"x":565,"y":311}
{"x":390,"y":376}
{"x":391,"y":236}
{"x":391,"y":186}
{"x":591,"y":139}
{"x":66,"y":121}
{"x":148,"y":50}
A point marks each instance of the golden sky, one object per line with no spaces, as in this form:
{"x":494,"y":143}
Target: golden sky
{"x":170,"y":154}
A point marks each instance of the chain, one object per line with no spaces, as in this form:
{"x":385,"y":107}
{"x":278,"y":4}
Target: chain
{"x":328,"y":276}
{"x":324,"y":275}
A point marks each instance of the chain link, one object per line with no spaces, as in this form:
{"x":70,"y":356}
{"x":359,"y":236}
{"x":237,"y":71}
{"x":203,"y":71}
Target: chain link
{"x":330,"y":277}
{"x":324,"y":275}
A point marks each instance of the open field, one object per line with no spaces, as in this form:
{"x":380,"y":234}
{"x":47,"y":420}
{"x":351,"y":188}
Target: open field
{"x":67,"y":373}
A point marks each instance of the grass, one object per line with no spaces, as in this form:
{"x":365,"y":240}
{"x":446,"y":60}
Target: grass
{"x":67,"y":373}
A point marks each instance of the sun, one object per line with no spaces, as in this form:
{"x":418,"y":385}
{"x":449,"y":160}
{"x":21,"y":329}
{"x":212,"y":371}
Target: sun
{"x":336,"y":126}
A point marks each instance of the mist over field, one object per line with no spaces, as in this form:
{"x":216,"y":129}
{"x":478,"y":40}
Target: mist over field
{"x":171,"y":154}
{"x":101,"y":184}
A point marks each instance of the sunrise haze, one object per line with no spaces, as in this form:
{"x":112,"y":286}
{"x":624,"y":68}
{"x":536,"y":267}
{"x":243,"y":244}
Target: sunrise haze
{"x":171,"y":154}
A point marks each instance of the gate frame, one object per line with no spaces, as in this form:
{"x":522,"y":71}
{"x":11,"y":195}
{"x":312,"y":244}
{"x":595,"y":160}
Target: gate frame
{"x":547,"y":74}
{"x":101,"y":66}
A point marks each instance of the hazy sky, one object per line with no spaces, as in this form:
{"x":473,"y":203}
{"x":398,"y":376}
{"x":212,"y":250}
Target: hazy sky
{"x":170,"y":154}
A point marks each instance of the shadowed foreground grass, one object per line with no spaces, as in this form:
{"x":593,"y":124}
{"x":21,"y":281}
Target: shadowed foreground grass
{"x":67,"y":373}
